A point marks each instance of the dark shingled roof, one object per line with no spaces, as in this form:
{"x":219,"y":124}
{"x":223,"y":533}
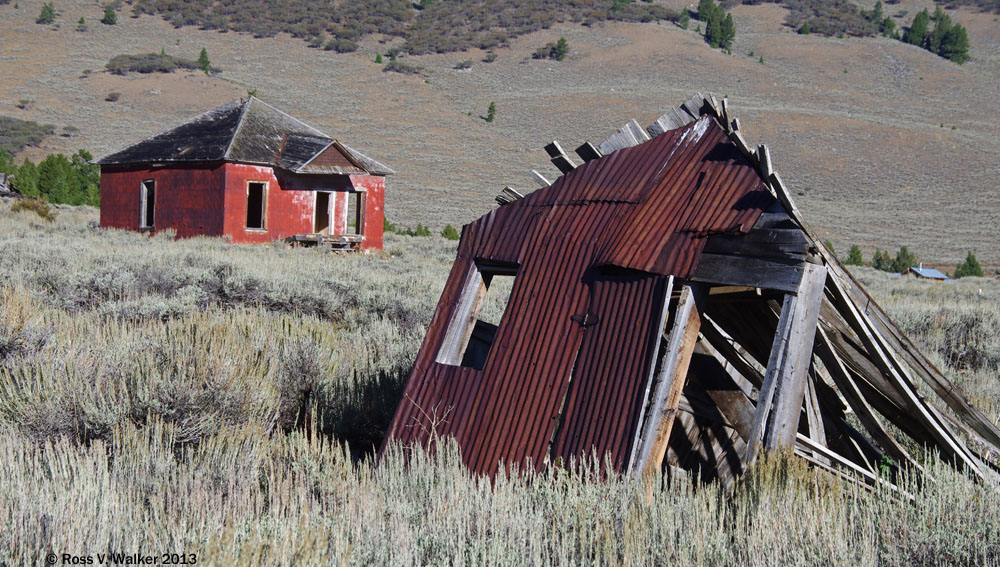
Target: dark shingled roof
{"x":247,"y":131}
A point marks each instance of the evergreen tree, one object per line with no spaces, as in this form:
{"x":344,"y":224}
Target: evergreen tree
{"x":904,"y":260}
{"x":713,"y":32}
{"x":854,"y":257}
{"x":47,"y":15}
{"x":882,"y":261}
{"x":706,"y":10}
{"x":203,"y":63}
{"x":110,"y":17}
{"x":917,"y":31}
{"x":7,"y":164}
{"x":969,"y":268}
{"x":887,"y":27}
{"x":561,"y":49}
{"x":955,"y":45}
{"x":727,"y":32}
{"x":491,"y":112}
{"x":685,"y":19}
{"x":26,"y":179}
{"x":942,"y":24}
{"x":877,"y":14}
{"x":804,"y":30}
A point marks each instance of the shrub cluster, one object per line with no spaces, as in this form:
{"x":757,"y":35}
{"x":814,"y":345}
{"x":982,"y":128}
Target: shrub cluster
{"x":154,"y":63}
{"x":552,"y":50}
{"x":828,"y":17}
{"x":16,"y":135}
{"x":426,"y":27}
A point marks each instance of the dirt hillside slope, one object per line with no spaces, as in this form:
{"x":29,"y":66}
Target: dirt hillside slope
{"x":887,"y":144}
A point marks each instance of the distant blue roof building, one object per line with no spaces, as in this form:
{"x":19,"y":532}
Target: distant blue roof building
{"x":926,"y":273}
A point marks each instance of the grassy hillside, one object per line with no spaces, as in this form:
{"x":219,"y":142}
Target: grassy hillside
{"x":151,"y":395}
{"x":885,"y":143}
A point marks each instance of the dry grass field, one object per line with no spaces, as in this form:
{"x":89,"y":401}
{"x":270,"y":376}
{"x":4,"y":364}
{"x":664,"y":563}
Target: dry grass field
{"x":886,"y":144}
{"x":151,"y":393}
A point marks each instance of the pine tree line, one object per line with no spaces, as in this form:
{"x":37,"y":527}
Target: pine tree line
{"x":56,"y":179}
{"x":946,"y":39}
{"x":905,"y":260}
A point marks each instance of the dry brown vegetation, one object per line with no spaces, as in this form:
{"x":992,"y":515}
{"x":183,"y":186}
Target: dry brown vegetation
{"x":200,"y":397}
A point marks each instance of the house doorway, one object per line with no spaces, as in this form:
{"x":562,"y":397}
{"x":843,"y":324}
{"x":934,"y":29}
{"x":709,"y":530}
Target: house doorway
{"x":322,"y":223}
{"x":356,"y":212}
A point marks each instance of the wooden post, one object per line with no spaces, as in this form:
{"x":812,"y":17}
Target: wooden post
{"x":673,"y":372}
{"x":776,"y":418}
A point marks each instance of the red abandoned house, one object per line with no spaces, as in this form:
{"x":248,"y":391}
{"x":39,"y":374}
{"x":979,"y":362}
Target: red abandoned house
{"x":250,"y":173}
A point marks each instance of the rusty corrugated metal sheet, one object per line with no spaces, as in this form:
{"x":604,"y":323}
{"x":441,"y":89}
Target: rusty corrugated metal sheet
{"x":599,"y":242}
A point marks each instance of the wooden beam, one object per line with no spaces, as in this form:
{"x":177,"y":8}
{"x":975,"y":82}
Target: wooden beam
{"x":780,"y":401}
{"x":559,"y":157}
{"x":726,"y":269}
{"x":540,"y":179}
{"x":664,"y":314}
{"x":849,"y":389}
{"x":673,"y":373}
{"x":588,"y":152}
{"x":814,"y":416}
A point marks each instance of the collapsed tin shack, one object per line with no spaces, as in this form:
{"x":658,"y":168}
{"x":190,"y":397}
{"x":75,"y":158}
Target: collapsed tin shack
{"x":668,"y":306}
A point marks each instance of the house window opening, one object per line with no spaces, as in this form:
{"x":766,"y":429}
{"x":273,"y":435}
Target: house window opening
{"x":480,"y":311}
{"x":356,"y":212}
{"x":147,"y":204}
{"x":256,"y":204}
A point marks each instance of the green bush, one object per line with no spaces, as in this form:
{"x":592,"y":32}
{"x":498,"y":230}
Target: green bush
{"x":341,"y":45}
{"x":491,"y":112}
{"x":47,"y":15}
{"x":969,"y":268}
{"x":110,"y":17}
{"x":450,"y":232}
{"x":854,"y":257}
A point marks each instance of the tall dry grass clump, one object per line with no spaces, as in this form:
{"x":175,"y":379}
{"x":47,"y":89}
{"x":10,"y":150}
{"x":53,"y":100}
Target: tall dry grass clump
{"x":199,"y":397}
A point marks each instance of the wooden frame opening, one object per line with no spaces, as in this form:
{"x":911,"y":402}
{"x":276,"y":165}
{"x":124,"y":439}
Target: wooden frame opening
{"x":356,"y":212}
{"x":478,"y":315}
{"x":321,"y":216}
{"x":256,"y":205}
{"x":147,"y":205}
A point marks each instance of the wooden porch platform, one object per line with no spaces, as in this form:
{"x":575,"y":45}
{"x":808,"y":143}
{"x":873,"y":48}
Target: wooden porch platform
{"x":344,"y":242}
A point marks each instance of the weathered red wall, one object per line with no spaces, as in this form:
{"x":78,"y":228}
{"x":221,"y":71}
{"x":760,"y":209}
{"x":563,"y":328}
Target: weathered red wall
{"x":374,"y":208}
{"x":211,"y":199}
{"x":188,"y":197}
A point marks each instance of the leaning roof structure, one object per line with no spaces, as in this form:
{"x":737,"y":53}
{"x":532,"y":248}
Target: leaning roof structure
{"x":669,"y":306}
{"x":250,"y":131}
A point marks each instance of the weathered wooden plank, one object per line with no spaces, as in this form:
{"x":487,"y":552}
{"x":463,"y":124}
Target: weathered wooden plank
{"x":664,"y":314}
{"x":814,"y":416}
{"x":780,"y":243}
{"x":714,"y":335}
{"x":764,"y":157}
{"x":791,"y":375}
{"x":588,"y":152}
{"x":559,"y":157}
{"x":463,"y":318}
{"x":673,"y":372}
{"x":631,"y":134}
{"x":746,"y":271}
{"x":671,"y":120}
{"x":780,"y":402}
{"x":945,"y":439}
{"x":540,"y":179}
{"x":849,"y":389}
